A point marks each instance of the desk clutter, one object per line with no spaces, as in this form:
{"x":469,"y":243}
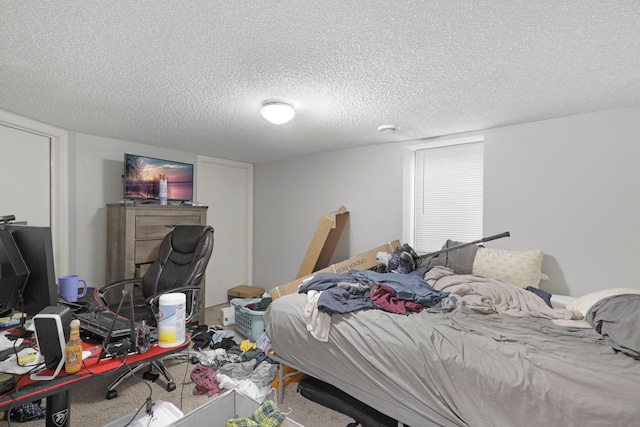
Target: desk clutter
{"x":64,"y":336}
{"x":34,"y":357}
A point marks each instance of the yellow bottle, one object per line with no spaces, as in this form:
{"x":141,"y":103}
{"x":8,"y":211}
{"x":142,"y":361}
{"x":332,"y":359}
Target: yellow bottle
{"x":73,"y":354}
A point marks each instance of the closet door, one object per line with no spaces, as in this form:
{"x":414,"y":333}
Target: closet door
{"x":25,"y":176}
{"x":226,"y":187}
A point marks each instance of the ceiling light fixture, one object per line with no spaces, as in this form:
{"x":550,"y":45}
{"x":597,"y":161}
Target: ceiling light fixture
{"x":387,"y":129}
{"x":277,"y":112}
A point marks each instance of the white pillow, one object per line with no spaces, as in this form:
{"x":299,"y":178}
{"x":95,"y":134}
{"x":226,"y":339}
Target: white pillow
{"x":521,"y":268}
{"x":584,"y":303}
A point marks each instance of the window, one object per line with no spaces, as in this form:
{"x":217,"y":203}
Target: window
{"x":448,"y":193}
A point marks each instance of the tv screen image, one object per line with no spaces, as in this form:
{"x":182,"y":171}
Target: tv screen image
{"x":142,"y":176}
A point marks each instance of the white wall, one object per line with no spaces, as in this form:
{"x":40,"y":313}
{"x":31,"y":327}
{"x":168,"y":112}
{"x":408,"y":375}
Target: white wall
{"x":566,"y":186}
{"x":290,"y":197}
{"x":97,"y":167}
{"x":569,"y":187}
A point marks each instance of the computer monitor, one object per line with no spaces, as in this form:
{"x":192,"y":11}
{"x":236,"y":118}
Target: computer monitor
{"x":13,"y":273}
{"x":36,"y":247}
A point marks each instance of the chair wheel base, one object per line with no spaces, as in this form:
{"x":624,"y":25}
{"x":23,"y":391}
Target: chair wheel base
{"x":150,"y":376}
{"x":112,"y":394}
{"x":171,"y":386}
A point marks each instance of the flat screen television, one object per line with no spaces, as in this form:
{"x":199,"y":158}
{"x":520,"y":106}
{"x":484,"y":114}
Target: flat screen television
{"x":142,"y":176}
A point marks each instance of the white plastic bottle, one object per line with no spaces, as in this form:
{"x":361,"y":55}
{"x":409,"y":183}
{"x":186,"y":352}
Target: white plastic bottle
{"x":163,"y":190}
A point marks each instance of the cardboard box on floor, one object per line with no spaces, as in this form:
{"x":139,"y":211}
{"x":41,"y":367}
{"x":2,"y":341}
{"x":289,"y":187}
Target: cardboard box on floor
{"x":324,"y":241}
{"x":360,"y":262}
{"x":244,"y":291}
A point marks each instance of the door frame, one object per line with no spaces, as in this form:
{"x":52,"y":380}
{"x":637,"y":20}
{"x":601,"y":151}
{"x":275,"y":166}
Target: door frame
{"x":59,"y":190}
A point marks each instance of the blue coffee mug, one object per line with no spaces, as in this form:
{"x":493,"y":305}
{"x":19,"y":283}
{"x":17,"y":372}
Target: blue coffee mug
{"x":68,"y":287}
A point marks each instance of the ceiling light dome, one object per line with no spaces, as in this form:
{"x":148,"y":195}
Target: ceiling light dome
{"x":277,"y":112}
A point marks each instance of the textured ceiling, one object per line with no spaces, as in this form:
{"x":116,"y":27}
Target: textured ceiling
{"x":191,"y":75}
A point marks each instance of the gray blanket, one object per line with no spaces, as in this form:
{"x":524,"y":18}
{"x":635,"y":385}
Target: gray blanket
{"x":491,"y":295}
{"x":464,"y":368}
{"x":617,"y":319}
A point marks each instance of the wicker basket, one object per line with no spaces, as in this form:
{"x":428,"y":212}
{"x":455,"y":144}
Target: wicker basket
{"x":249,"y":323}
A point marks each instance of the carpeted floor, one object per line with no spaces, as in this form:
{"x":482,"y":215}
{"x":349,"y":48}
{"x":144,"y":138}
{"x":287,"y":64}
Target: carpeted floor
{"x":90,"y":408}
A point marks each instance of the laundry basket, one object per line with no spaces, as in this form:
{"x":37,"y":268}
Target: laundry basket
{"x":249,"y":323}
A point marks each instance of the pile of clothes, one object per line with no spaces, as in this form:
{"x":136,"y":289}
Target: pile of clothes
{"x":396,"y":285}
{"x":225,"y":364}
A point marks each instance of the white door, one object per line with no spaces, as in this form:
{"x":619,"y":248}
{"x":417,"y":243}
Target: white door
{"x":226,"y":187}
{"x":25,"y":176}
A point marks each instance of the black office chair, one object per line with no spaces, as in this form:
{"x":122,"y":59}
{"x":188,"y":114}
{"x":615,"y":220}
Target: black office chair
{"x":181,"y":264}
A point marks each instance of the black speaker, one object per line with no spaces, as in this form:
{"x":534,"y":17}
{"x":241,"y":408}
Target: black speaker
{"x":52,"y":327}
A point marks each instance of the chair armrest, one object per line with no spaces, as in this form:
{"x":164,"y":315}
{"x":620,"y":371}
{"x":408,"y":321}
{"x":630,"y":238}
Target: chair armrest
{"x":120,"y":284}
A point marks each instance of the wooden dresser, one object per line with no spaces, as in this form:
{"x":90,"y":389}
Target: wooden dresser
{"x":134,"y":234}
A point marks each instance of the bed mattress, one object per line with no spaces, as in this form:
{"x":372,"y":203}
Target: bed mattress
{"x":463,"y":368}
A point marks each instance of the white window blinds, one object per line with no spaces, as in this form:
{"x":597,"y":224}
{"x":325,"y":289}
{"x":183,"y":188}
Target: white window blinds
{"x":448,"y":195}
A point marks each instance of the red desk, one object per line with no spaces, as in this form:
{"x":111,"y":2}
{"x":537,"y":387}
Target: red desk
{"x":57,"y":390}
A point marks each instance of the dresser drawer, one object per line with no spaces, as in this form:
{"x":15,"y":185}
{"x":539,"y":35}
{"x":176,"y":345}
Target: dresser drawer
{"x":146,"y":251}
{"x":156,"y":227}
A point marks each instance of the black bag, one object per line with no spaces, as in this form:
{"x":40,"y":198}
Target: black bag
{"x":334,"y":398}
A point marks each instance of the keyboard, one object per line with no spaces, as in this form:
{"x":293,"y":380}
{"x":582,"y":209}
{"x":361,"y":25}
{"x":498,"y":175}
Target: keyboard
{"x":99,"y":324}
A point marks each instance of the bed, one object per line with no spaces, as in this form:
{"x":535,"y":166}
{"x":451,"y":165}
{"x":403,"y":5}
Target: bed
{"x":504,"y":357}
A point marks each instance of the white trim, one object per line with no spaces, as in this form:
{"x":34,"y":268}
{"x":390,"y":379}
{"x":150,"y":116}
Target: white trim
{"x":444,"y":142}
{"x":408,"y":177}
{"x":59,"y":182}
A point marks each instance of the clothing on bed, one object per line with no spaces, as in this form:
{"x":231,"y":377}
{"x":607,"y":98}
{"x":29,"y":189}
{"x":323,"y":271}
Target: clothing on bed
{"x":385,"y":297}
{"x":340,"y":300}
{"x":489,"y":295}
{"x":617,"y":318}
{"x":546,"y":296}
{"x":409,"y":286}
{"x":329,"y":294}
{"x":318,"y":323}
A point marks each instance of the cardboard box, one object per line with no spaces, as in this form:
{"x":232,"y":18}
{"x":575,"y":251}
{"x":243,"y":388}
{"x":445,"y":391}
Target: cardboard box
{"x":324,"y":241}
{"x":360,"y":262}
{"x":244,"y":291}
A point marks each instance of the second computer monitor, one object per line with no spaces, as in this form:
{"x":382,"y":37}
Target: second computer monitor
{"x":36,"y":246}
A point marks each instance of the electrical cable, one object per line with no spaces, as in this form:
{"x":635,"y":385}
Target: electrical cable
{"x":17,"y":388}
{"x":148,"y":401}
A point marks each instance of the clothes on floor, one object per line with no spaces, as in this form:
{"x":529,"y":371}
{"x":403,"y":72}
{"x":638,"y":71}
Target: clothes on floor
{"x":203,"y":376}
{"x":244,"y":367}
{"x":247,"y":380}
{"x":210,"y":336}
{"x":267,"y":415}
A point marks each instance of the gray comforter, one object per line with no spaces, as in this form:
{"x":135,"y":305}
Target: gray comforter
{"x":464,"y":368}
{"x":617,"y":319}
